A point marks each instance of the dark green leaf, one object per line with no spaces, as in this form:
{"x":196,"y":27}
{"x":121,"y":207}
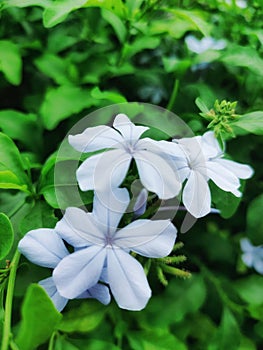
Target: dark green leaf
{"x":255,"y":220}
{"x":22,"y":127}
{"x":6,"y":235}
{"x":41,"y":216}
{"x":39,"y":319}
{"x":116,"y":24}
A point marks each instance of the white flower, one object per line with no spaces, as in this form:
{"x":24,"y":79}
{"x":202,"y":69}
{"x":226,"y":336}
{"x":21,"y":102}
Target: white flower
{"x":108,"y":169}
{"x":206,"y":43}
{"x":44,"y":247}
{"x":252,"y":255}
{"x":203,"y":161}
{"x":103,"y":250}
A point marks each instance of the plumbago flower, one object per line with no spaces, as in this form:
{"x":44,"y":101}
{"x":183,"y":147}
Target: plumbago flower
{"x":203,"y":161}
{"x":123,"y":144}
{"x":252,"y":255}
{"x":101,"y":251}
{"x":45,"y":247}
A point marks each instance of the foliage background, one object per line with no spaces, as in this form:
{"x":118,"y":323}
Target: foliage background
{"x":62,"y":59}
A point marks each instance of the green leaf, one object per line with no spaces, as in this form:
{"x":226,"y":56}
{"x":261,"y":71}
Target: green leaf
{"x":8,"y":180}
{"x":184,"y":296}
{"x":247,"y":57}
{"x":250,"y":289}
{"x":62,"y":71}
{"x":26,"y":3}
{"x":10,"y":158}
{"x":84,"y":318}
{"x":201,"y":105}
{"x":39,"y":319}
{"x":250,"y":123}
{"x":226,"y":202}
{"x":111,"y":96}
{"x":22,"y":127}
{"x":116,"y":24}
{"x":255,"y":220}
{"x":63,"y":344}
{"x":60,"y":103}
{"x":154,"y":340}
{"x":228,"y":335}
{"x":10,"y":62}
{"x":40,"y":216}
{"x":60,"y":188}
{"x":6,"y":235}
{"x":140,"y":44}
{"x":58,"y":10}
{"x":194,"y":17}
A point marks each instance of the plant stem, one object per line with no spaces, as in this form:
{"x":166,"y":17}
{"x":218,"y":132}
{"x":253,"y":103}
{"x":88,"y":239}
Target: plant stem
{"x":173,"y":96}
{"x":9,"y":301}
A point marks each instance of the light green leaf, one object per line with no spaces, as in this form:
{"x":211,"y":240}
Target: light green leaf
{"x":201,"y":105}
{"x":228,"y":335}
{"x":26,"y":3}
{"x":255,"y":220}
{"x":59,"y":10}
{"x":250,"y":123}
{"x":63,"y":344}
{"x":8,"y":180}
{"x":250,"y":289}
{"x":60,"y":70}
{"x":10,"y":62}
{"x":6,"y":235}
{"x":39,"y":319}
{"x":84,"y":318}
{"x":42,"y":215}
{"x":60,"y":103}
{"x":116,"y":24}
{"x":140,"y":44}
{"x":11,"y":159}
{"x":22,"y":127}
{"x":195,"y":18}
{"x":111,"y":96}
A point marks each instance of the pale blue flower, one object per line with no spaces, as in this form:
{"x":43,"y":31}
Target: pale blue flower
{"x":252,"y":255}
{"x":203,"y":162}
{"x":206,"y":43}
{"x":103,"y":250}
{"x":44,"y":247}
{"x":123,"y":144}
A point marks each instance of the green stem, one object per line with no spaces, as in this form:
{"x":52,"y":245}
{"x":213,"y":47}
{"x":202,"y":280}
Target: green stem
{"x":52,"y":341}
{"x":173,"y":96}
{"x":9,"y":301}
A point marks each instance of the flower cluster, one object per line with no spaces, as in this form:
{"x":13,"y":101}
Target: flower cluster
{"x":252,"y":255}
{"x":100,"y":262}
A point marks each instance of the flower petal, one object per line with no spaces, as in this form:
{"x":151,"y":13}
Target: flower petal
{"x":151,"y":238}
{"x":128,"y":130}
{"x":79,"y":228}
{"x":98,"y":291}
{"x":248,"y":259}
{"x":109,"y":207}
{"x":196,"y":195}
{"x":140,"y":204}
{"x":79,"y":271}
{"x":242,"y":171}
{"x":95,"y":138}
{"x":222,"y":177}
{"x":127,"y":280}
{"x":49,"y":286}
{"x":43,"y":247}
{"x":246,"y":245}
{"x":157,"y":175}
{"x":258,"y":260}
{"x":103,"y":170}
{"x":210,"y":145}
